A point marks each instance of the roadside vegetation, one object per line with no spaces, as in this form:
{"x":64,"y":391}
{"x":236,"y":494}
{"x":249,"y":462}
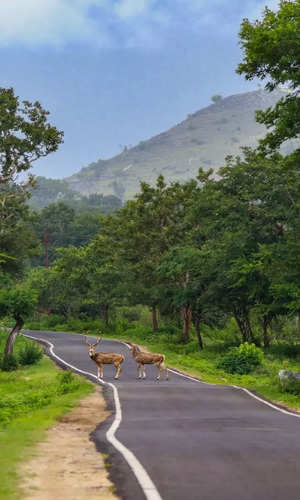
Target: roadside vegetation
{"x":214,"y":261}
{"x":257,"y":370}
{"x":32,"y":397}
{"x":206,"y":271}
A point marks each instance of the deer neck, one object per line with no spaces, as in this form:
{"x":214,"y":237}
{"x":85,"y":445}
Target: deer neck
{"x":134,"y":352}
{"x":93,"y":355}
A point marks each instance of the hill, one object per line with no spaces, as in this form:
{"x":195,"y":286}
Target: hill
{"x":55,"y":191}
{"x":203,"y":139}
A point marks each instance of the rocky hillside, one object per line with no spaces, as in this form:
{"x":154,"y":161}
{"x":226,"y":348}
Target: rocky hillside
{"x":203,"y":139}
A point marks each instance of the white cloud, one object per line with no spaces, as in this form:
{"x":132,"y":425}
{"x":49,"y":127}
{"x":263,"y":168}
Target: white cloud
{"x":34,"y":22}
{"x":106,"y":23}
{"x":131,"y":8}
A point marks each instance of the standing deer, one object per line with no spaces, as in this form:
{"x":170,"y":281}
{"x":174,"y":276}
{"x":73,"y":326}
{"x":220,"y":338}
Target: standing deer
{"x":148,"y":358}
{"x":105,"y":358}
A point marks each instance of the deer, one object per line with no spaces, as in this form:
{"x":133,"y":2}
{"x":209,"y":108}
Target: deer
{"x":105,"y":358}
{"x":148,"y":358}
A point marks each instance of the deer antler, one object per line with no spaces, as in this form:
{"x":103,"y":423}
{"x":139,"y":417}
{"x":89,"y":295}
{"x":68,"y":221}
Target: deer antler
{"x":99,"y":340}
{"x":87,"y":341}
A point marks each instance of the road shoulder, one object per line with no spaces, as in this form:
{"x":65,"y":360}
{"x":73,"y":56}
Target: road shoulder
{"x":66,"y":464}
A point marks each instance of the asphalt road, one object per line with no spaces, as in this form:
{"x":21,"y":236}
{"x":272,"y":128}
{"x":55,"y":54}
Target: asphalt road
{"x":196,"y":441}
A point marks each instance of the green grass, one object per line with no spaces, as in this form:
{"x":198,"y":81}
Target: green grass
{"x":203,"y":364}
{"x":31,"y":400}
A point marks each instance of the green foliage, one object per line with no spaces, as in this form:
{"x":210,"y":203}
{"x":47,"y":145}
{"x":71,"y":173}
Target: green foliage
{"x":67,"y":382}
{"x":290,"y":384}
{"x":30,"y":354}
{"x":242,"y":359}
{"x":204,"y":253}
{"x":271,"y":53}
{"x":49,"y":191}
{"x":9,"y":363}
{"x":25,"y":136}
{"x":216,"y":98}
{"x":17,"y":302}
{"x":21,"y":396}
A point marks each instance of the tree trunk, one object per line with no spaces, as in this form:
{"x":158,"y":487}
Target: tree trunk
{"x":198,"y":332}
{"x":266,"y":324}
{"x":106,"y":314}
{"x":187,"y":315}
{"x":9,"y":347}
{"x":154,"y":318}
{"x":243,"y":322}
{"x":298,"y":323}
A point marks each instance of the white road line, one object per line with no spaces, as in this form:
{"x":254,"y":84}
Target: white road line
{"x":282,"y":410}
{"x":192,"y":378}
{"x":271,"y":405}
{"x":143,"y":478}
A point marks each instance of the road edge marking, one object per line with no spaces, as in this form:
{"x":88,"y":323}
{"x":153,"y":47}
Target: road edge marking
{"x":237,"y":387}
{"x":142,"y":476}
{"x":249,"y":392}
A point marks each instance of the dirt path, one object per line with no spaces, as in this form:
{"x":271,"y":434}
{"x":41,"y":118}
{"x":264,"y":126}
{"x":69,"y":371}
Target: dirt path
{"x":66,"y":465}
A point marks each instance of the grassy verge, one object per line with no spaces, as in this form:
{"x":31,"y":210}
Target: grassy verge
{"x":203,"y":364}
{"x":32,"y":398}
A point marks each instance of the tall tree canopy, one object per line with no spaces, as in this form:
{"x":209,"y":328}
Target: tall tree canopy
{"x":271,"y":49}
{"x":25,"y":136}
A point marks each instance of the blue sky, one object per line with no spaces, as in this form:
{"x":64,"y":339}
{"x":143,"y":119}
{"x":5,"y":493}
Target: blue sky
{"x":114,"y":72}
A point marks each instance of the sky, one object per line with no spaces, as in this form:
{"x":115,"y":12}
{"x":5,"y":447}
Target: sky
{"x":115,"y":72}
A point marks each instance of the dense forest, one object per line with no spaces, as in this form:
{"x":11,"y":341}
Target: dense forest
{"x":205,"y":253}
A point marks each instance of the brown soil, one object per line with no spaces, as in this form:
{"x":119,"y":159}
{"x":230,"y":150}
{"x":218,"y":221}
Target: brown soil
{"x":66,"y":465}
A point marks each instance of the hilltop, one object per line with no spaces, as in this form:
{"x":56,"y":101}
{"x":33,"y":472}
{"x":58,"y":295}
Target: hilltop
{"x":203,"y":139}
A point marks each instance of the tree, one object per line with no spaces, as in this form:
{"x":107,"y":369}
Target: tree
{"x":272,"y":51}
{"x":216,"y":98}
{"x":57,"y":220}
{"x":181,"y":270}
{"x":143,"y":231}
{"x":18,"y":304}
{"x":254,"y":204}
{"x":25,"y":136}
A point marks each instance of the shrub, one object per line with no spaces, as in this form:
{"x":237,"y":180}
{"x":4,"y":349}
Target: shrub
{"x":67,"y":382}
{"x":9,"y":363}
{"x":30,"y":354}
{"x":65,"y":377}
{"x":289,"y":381}
{"x":242,"y":359}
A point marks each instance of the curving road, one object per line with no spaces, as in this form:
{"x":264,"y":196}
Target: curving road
{"x":196,"y":441}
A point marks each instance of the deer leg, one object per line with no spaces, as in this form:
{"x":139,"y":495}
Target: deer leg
{"x":165,"y":368}
{"x":100,"y":371}
{"x":158,"y":371}
{"x":118,"y":372}
{"x":140,"y":370}
{"x":144,"y":372}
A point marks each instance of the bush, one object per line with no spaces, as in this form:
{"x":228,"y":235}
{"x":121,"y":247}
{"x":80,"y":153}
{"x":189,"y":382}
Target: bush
{"x":242,"y":359}
{"x":67,"y":382}
{"x":9,"y":363}
{"x":30,"y":354}
{"x":289,"y":381}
